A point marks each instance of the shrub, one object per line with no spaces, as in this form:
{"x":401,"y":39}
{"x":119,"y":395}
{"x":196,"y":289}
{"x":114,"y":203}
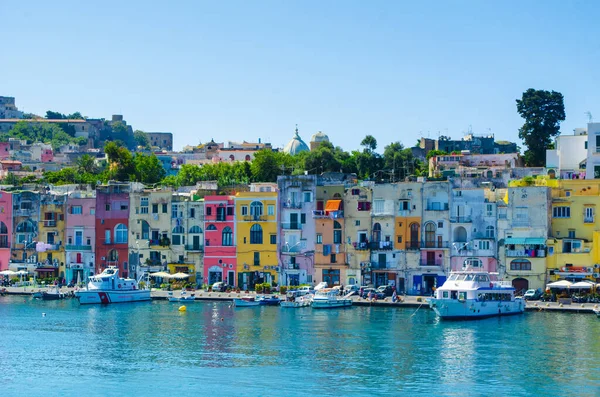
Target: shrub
{"x":283,"y":290}
{"x":258,"y":288}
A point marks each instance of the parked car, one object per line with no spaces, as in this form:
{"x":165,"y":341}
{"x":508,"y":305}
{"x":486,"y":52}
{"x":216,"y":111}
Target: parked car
{"x":387,"y":290}
{"x":220,"y":287}
{"x":361,"y":290}
{"x":352,"y":289}
{"x":532,"y":295}
{"x":304,"y":290}
{"x":374,"y":293}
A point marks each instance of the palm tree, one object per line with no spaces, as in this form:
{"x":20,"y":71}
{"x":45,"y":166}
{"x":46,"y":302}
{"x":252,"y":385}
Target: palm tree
{"x":86,"y":164}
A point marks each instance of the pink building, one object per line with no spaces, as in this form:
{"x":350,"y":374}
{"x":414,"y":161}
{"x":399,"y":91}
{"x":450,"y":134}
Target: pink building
{"x":47,"y":155}
{"x":4,"y":150}
{"x":80,"y":236}
{"x":6,"y":221}
{"x":220,"y":259}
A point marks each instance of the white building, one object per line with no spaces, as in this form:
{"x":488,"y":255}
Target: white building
{"x":568,"y":158}
{"x":593,"y":151}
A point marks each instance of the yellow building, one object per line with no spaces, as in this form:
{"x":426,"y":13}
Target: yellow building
{"x":573,"y":246}
{"x":51,"y":237}
{"x":256,"y":238}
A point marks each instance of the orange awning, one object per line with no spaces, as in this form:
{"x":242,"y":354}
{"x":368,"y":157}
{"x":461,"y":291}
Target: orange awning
{"x":333,"y":205}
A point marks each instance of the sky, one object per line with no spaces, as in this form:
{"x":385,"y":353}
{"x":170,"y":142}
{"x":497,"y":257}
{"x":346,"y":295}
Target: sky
{"x":244,"y":70}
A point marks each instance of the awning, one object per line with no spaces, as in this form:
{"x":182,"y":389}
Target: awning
{"x":525,"y":241}
{"x":42,"y":269}
{"x":333,"y":205}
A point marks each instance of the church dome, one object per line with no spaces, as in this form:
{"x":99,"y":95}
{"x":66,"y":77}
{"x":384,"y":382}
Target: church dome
{"x":296,"y":145}
{"x":319,"y":137}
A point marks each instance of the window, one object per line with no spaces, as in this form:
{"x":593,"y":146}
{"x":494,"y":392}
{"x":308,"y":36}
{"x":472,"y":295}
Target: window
{"x":597,"y":143}
{"x":173,"y":211}
{"x":120,"y":234}
{"x":472,"y":262}
{"x":399,"y":239}
{"x":107,"y":238}
{"x":440,"y":224}
{"x":107,"y":207}
{"x":378,"y":206}
{"x":211,"y":227}
{"x":92,"y":211}
{"x":177,"y":237}
{"x":404,"y":205}
{"x":489,"y":210}
{"x":357,"y":222}
{"x":302,"y":218}
{"x":376,"y":233}
{"x":155,"y":208}
{"x":307,"y":197}
{"x":571,"y":233}
{"x":270,"y":210}
{"x":76,"y":210}
{"x":273,"y":238}
{"x":484,"y":245}
{"x":489,"y":232}
{"x":319,"y":238}
{"x":337,"y":233}
{"x":244,"y":210}
{"x":257,"y":259}
{"x":355,"y":192}
{"x":571,"y":246}
{"x":589,"y":215}
{"x":208,"y":211}
{"x":144,"y":208}
{"x":364,"y":206}
{"x":227,"y":237}
{"x":230,"y":211}
{"x":192,"y":212}
{"x":124,"y":207}
{"x":256,"y":234}
{"x":520,"y":265}
{"x":561,"y":212}
{"x":164,"y":208}
{"x":567,"y":193}
{"x":195,"y":230}
{"x":256,"y":209}
{"x":333,"y":258}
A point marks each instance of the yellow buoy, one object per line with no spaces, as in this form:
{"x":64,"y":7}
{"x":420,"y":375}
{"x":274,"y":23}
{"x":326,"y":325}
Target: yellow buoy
{"x":182,"y":308}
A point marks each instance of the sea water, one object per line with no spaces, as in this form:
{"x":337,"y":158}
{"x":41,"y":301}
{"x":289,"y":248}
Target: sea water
{"x":59,"y":348}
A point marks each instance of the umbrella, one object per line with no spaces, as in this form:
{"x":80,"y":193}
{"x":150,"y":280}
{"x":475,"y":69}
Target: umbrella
{"x":8,"y":273}
{"x":583,"y":285}
{"x":562,"y":284}
{"x":22,"y":273}
{"x":180,"y":276}
{"x":161,"y":274}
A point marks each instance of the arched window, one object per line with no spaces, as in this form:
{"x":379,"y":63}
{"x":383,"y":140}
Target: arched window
{"x":489,"y":232}
{"x":430,"y":234}
{"x":376,"y":233}
{"x":337,"y":232}
{"x":472,"y":262}
{"x":25,"y":227}
{"x":177,"y":237}
{"x":256,"y":234}
{"x":256,"y":209}
{"x":195,"y":230}
{"x":3,"y":228}
{"x":460,"y":235}
{"x":113,"y":256}
{"x":120,"y":234}
{"x":520,"y":265}
{"x":3,"y":235}
{"x":248,"y":157}
{"x":25,"y":231}
{"x":145,"y":230}
{"x":211,"y":227}
{"x":227,"y":237}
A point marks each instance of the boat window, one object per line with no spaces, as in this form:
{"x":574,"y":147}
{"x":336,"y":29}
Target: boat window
{"x":469,"y":277}
{"x":453,"y":277}
{"x":462,"y":296}
{"x":454,"y":295}
{"x":445,"y":294}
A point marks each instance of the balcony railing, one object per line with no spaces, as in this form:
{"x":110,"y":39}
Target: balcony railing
{"x":292,"y":266}
{"x":330,"y":214}
{"x":291,"y":226}
{"x":588,"y":219}
{"x":383,"y":265}
{"x":23,"y":212}
{"x":473,"y":252}
{"x":291,"y":250}
{"x":292,"y":205}
{"x":194,"y":247}
{"x":70,"y":247}
{"x":49,"y":223}
{"x":254,"y":218}
{"x":460,"y":219}
{"x":526,"y":253}
{"x":413,"y":245}
{"x":361,"y":246}
{"x":443,"y":207}
{"x":381,"y":245}
{"x":431,"y":263}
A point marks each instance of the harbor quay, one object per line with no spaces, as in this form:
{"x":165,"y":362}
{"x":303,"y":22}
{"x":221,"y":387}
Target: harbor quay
{"x":406,"y":301}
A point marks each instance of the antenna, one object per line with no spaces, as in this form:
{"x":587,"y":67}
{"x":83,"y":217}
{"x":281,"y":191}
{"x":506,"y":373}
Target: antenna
{"x":589,"y":116}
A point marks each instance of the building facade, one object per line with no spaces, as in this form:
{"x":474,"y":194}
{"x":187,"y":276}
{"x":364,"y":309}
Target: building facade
{"x":220,"y":254}
{"x":80,"y":234}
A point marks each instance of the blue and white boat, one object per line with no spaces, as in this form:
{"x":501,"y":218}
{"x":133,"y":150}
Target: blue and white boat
{"x":108,"y":287}
{"x":472,"y":294}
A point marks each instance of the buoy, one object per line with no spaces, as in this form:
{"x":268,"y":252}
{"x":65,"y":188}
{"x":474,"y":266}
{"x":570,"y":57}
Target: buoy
{"x":535,"y":304}
{"x":561,"y":305}
{"x":221,"y":318}
{"x":547,"y":305}
{"x":182,"y":308}
{"x":582,"y":305}
{"x":43,"y":314}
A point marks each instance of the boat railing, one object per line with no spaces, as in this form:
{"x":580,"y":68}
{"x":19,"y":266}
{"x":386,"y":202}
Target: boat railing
{"x":503,"y":283}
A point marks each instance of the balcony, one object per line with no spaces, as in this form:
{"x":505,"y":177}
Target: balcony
{"x":381,"y":246}
{"x":522,"y":253}
{"x":426,"y":263}
{"x":292,"y":205}
{"x":474,"y":252}
{"x":70,"y":247}
{"x":254,"y":218}
{"x":383,"y":265}
{"x":588,"y":219}
{"x":52,"y":247}
{"x":49,"y":222}
{"x":460,"y":219}
{"x":23,"y":212}
{"x":361,"y":246}
{"x":432,"y":244}
{"x":381,"y":214}
{"x":194,"y":247}
{"x":521,"y":223}
{"x":291,"y":226}
{"x":441,"y":207}
{"x":286,"y":249}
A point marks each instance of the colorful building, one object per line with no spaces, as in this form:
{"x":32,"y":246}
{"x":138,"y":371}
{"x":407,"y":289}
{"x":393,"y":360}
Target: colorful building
{"x":220,"y":256}
{"x":80,"y":236}
{"x":50,"y":245}
{"x":357,"y":216}
{"x":26,"y":215}
{"x":385,"y":259}
{"x":6,"y":226}
{"x":408,"y":232}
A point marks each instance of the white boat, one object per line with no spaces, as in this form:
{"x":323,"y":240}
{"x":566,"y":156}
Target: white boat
{"x":108,"y":287}
{"x":183,"y":297}
{"x":596,"y":311}
{"x":472,"y":294}
{"x":329,"y":299}
{"x":52,"y":294}
{"x":246,"y":301}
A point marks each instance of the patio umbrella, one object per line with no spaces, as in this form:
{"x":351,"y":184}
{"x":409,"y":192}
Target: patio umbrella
{"x":583,"y":285}
{"x":562,"y":284}
{"x":8,"y":273}
{"x":180,"y":276}
{"x":160,"y":274}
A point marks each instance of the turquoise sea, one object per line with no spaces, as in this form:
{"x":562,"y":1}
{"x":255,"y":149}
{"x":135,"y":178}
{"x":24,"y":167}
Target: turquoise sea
{"x":152,"y":349}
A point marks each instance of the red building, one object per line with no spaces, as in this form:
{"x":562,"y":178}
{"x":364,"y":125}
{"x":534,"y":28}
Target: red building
{"x":219,"y":250}
{"x":112,"y":227}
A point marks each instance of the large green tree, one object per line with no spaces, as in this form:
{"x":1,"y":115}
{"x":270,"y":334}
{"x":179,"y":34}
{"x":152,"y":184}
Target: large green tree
{"x":148,"y":169}
{"x":120,"y":162}
{"x":141,"y":139}
{"x":543,"y":111}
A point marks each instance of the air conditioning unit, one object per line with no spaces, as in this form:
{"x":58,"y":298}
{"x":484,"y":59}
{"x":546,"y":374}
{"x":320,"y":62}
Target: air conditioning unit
{"x":596,"y":266}
{"x":596,"y":275}
{"x":103,"y":258}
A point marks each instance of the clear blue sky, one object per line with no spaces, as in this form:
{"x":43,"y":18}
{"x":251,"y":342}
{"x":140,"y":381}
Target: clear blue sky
{"x":233,"y":70}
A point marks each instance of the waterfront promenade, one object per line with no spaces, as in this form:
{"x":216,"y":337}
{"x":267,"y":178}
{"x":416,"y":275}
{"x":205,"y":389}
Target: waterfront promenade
{"x":406,"y":301}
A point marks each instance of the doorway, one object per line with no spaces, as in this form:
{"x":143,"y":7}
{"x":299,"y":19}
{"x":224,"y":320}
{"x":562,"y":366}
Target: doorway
{"x":429,"y":281}
{"x":231,"y":278}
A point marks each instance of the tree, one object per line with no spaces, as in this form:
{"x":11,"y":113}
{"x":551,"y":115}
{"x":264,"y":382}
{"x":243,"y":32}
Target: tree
{"x":141,"y":139}
{"x":148,"y":169}
{"x":120,"y":162}
{"x":265,"y":166}
{"x":370,"y":143}
{"x":543,"y":111}
{"x":399,"y":160}
{"x":435,"y":152}
{"x":86,"y":164}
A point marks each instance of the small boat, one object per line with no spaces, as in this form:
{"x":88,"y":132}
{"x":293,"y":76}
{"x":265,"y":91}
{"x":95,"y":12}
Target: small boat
{"x":108,"y":287}
{"x":53,"y":294}
{"x":268,"y":300}
{"x":295,"y":299}
{"x":596,"y":311}
{"x":37,"y":295}
{"x":246,"y":301}
{"x":473,"y":294}
{"x":329,"y":299}
{"x":183,"y":297}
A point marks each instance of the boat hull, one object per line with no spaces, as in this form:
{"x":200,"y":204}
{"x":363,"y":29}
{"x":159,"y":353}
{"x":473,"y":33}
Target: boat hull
{"x":294,"y":305}
{"x":447,"y":309}
{"x":245,"y":303}
{"x":331,"y":304}
{"x":52,"y":297}
{"x":105,"y":297}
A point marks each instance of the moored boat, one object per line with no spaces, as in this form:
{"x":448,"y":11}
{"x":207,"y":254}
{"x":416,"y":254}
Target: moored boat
{"x":329,"y":299}
{"x":108,"y":287}
{"x":472,"y":294}
{"x":245,"y":301}
{"x":268,"y":300}
{"x":295,"y":299}
{"x":596,"y":311}
{"x":52,"y":294}
{"x":183,"y":297}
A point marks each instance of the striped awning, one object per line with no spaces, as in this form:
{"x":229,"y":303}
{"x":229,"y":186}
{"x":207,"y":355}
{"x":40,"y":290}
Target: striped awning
{"x":525,"y":240}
